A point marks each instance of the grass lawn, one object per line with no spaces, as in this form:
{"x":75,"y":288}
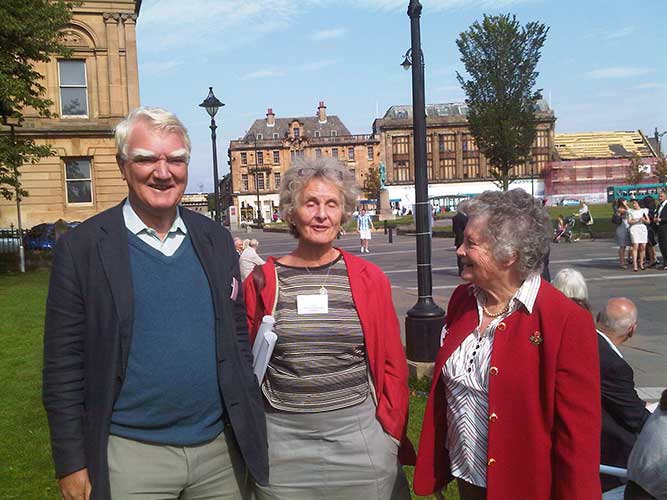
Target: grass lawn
{"x":25,"y":456}
{"x":26,"y":470}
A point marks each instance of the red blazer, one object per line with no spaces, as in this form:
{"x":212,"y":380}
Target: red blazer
{"x":544,"y":403}
{"x":371,"y":293}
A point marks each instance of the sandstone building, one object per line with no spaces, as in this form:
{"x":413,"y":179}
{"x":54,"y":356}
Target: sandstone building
{"x":454,"y":164}
{"x":92,"y":91}
{"x":259,"y":159}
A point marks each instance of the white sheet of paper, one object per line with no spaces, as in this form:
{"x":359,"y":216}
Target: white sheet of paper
{"x":312,"y":304}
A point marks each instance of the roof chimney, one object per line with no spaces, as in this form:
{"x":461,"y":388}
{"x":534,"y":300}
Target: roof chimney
{"x":270,"y":118}
{"x":322,"y":112}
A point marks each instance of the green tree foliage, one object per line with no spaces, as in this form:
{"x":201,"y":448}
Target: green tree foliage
{"x":634,"y":173}
{"x":29,"y":33}
{"x":372,"y":183}
{"x":500,"y":56}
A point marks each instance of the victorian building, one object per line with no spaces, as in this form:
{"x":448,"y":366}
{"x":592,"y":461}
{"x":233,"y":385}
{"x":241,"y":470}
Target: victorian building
{"x":259,"y":159}
{"x":92,"y":90}
{"x":454,"y":164}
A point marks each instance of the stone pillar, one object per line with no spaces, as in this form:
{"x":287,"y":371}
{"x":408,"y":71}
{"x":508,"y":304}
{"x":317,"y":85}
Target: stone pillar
{"x":116,"y":104}
{"x":459,"y":155}
{"x":435,"y":155}
{"x":131,"y":65}
{"x":388,"y":157}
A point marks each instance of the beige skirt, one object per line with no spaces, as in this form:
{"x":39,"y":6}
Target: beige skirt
{"x":336,"y":455}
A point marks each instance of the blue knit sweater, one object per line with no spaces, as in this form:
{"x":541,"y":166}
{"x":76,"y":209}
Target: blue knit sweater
{"x":170,"y":394}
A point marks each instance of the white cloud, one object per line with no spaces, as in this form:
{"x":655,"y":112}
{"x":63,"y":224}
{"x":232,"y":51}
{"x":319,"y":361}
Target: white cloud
{"x":650,"y":85}
{"x":619,"y":33}
{"x":618,"y":72}
{"x":158,"y":67}
{"x":328,"y":34}
{"x":317,"y":65}
{"x":262,"y":73}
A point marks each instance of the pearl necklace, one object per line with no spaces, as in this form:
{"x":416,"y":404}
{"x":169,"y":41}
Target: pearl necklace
{"x":495,"y":315}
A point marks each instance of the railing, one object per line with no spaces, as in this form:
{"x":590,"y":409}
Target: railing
{"x":10,"y":246}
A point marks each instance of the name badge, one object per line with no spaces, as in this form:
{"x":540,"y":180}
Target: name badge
{"x":312,"y":304}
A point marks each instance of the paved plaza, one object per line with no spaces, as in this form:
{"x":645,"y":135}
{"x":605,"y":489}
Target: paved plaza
{"x":597,"y":260}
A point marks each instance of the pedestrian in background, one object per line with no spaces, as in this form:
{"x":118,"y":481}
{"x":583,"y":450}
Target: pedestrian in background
{"x":249,"y":258}
{"x":336,"y":387}
{"x":660,"y":221}
{"x":364,"y":227}
{"x":586,"y":220}
{"x":622,"y":235}
{"x":648,"y":203}
{"x":637,"y":219}
{"x":573,"y":285}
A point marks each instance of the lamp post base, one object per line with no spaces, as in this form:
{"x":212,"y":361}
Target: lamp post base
{"x":422,"y":334}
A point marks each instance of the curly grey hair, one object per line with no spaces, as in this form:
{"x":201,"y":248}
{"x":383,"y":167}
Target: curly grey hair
{"x":158,"y":118}
{"x":517,"y":225}
{"x":302,"y":171}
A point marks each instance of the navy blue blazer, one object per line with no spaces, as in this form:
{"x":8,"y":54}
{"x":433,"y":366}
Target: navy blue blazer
{"x":88,"y":332}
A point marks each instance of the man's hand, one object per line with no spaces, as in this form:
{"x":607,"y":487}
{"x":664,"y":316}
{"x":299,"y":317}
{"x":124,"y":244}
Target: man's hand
{"x":76,"y":486}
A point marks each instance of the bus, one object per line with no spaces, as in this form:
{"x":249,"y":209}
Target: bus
{"x":638,"y":191}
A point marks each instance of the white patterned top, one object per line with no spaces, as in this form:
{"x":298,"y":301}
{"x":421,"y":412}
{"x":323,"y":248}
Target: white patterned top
{"x":466,"y":379}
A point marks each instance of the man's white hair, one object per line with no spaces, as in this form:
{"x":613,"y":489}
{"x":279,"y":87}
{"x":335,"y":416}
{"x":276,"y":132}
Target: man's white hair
{"x":157,"y":118}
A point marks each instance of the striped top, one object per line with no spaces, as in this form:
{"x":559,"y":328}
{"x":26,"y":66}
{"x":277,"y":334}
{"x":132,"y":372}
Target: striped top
{"x":364,"y":222}
{"x":319,"y":361}
{"x":466,"y":379}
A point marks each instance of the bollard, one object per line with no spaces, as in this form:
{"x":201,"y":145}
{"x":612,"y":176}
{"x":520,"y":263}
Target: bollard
{"x":391,"y":234}
{"x":385,"y":227}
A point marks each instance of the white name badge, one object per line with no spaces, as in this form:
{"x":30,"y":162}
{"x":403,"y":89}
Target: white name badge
{"x":312,"y":304}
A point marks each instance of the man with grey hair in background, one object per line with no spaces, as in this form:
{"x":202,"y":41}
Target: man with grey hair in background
{"x":148,"y":382}
{"x":623,"y":413}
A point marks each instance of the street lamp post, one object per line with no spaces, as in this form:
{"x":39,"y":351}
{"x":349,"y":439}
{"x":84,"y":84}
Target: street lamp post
{"x":212,"y":104}
{"x":658,"y":137}
{"x":425,"y":320}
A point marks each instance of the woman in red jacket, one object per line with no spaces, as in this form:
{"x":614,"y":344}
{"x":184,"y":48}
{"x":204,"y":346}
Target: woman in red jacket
{"x":514,"y":409}
{"x":335,"y":390}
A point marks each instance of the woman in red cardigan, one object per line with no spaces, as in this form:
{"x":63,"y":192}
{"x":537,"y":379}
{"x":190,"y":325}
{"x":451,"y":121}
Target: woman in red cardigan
{"x":335,"y":390}
{"x":514,"y":409}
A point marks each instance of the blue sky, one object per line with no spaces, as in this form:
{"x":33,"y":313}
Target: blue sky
{"x":603,"y":66}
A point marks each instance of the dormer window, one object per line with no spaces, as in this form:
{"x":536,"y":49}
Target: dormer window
{"x":296,"y":131}
{"x":260,"y":137}
{"x":334,"y":133}
{"x":275,"y":135}
{"x":317,"y":133}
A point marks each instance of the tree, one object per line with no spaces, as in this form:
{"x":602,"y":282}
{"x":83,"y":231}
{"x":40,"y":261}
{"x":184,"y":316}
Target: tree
{"x":660,"y":169}
{"x":29,"y":33}
{"x":500,"y":57}
{"x":372,"y":184}
{"x":634,"y":173}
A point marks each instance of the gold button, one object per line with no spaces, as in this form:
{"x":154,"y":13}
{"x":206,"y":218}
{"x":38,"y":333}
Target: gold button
{"x":502,"y":326}
{"x":491,"y":462}
{"x":493,"y":370}
{"x":493,"y":417}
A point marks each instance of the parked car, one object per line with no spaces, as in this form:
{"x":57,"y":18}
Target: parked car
{"x":43,"y":236}
{"x":40,"y":237}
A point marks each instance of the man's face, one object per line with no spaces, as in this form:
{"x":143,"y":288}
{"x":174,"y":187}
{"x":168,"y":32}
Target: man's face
{"x":662,"y":197}
{"x":156,"y":170}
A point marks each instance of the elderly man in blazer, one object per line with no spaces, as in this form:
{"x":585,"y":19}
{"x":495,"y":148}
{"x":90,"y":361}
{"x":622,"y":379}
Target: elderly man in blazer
{"x":148,"y":381}
{"x":623,"y":413}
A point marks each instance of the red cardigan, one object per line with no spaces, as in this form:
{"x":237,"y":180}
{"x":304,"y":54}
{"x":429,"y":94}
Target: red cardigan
{"x":544,"y":389}
{"x":371,"y":294}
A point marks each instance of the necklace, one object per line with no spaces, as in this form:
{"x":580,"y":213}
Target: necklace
{"x":323,"y":289}
{"x":495,"y":315}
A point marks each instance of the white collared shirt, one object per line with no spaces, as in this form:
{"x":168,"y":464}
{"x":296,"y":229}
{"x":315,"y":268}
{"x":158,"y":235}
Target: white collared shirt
{"x":611,"y":344}
{"x":660,"y":209}
{"x":172,"y":240}
{"x":466,"y":379}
